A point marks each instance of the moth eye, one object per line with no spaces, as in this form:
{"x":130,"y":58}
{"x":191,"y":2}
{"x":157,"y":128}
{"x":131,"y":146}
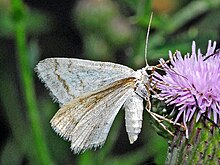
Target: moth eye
{"x":135,"y":88}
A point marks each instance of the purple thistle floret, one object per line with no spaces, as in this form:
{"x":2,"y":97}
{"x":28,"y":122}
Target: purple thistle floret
{"x":192,"y":84}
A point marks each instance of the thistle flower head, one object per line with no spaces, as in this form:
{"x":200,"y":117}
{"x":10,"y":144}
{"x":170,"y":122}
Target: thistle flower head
{"x":192,"y":84}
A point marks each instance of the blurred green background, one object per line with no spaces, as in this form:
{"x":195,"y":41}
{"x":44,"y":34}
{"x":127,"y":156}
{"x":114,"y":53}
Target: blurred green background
{"x":104,"y":30}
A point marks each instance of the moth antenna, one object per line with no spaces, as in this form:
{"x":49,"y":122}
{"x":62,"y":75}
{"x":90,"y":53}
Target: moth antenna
{"x":147,"y":37}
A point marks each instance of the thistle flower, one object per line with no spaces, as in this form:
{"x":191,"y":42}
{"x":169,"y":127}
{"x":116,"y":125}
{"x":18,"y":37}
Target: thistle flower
{"x":192,"y":84}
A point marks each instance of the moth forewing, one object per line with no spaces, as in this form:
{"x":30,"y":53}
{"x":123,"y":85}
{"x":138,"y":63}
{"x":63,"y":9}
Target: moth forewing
{"x":68,"y":78}
{"x":86,"y":120}
{"x":133,"y":116}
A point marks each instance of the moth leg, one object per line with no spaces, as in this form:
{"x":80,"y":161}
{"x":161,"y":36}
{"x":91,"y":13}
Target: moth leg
{"x":158,"y":120}
{"x":151,"y":89}
{"x":163,"y":118}
{"x":159,"y":66}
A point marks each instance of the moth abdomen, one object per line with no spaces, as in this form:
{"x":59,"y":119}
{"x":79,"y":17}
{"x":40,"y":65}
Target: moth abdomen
{"x":133,"y":116}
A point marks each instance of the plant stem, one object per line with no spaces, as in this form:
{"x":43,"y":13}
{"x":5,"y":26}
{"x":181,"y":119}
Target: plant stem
{"x":202,"y":147}
{"x":26,"y":76}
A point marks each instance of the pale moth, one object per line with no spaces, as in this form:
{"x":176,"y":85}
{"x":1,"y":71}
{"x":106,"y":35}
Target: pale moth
{"x":91,"y":94}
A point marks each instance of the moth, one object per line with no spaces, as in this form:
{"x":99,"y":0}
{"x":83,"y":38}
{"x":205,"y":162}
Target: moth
{"x":90,"y":94}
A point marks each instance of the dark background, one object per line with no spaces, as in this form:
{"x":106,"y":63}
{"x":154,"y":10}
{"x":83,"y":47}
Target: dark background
{"x":90,"y":29}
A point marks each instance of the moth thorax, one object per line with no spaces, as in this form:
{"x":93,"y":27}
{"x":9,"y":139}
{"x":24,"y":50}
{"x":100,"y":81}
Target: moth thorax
{"x":141,"y":75}
{"x":141,"y":90}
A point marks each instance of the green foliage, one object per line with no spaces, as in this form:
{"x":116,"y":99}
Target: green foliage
{"x":109,"y":31}
{"x":34,"y":22}
{"x":26,"y":76}
{"x":103,"y":27}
